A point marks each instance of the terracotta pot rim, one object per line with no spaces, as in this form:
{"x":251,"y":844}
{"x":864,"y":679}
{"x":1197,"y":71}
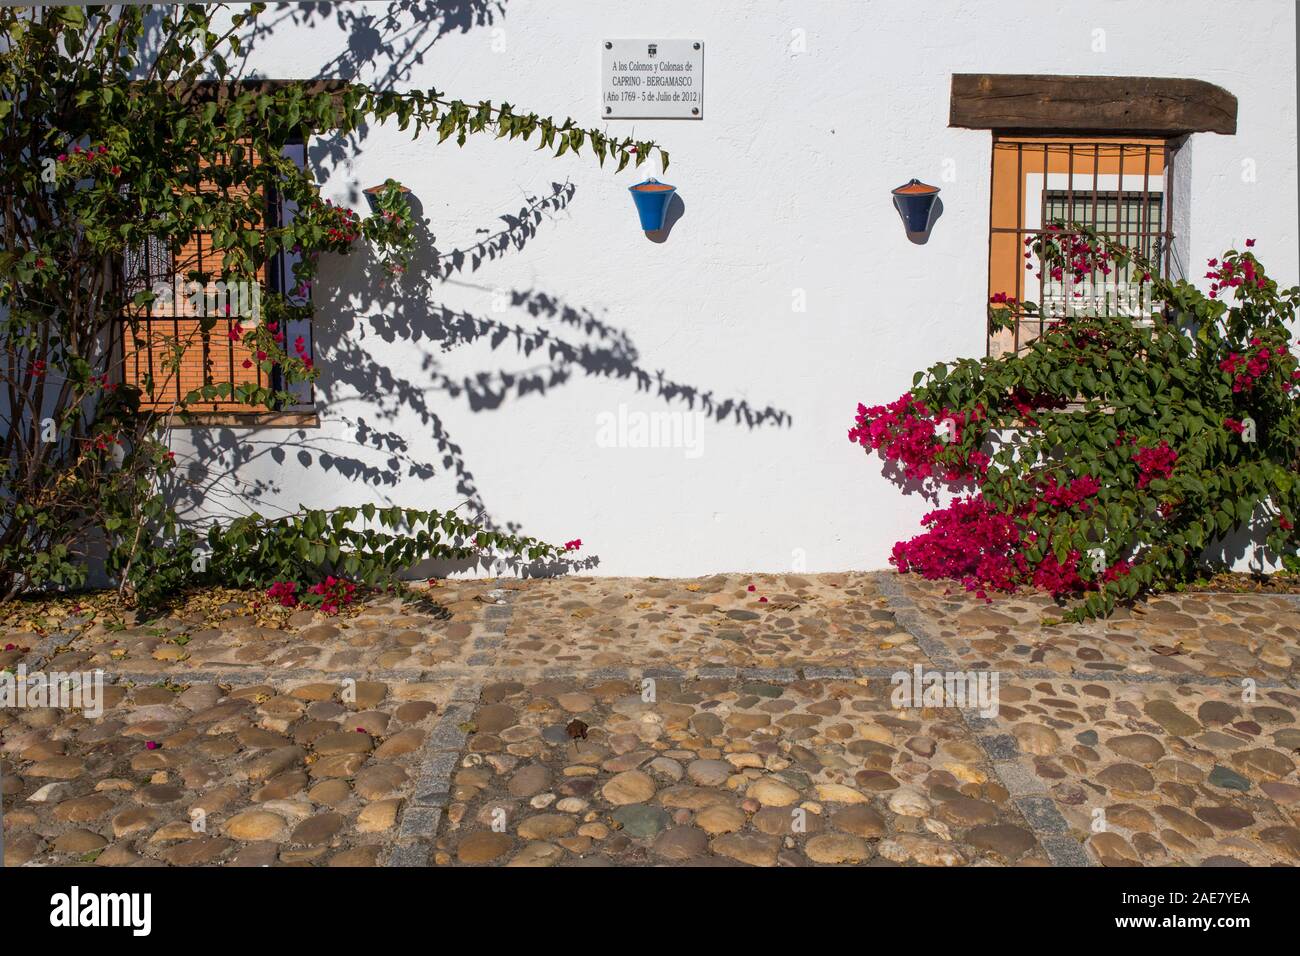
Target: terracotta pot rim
{"x":915,"y":188}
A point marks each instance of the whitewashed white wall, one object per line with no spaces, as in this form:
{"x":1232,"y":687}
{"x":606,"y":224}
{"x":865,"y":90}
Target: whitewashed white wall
{"x":786,"y":190}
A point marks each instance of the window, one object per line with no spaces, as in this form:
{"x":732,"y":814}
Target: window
{"x":165,"y":348}
{"x":1119,"y":186}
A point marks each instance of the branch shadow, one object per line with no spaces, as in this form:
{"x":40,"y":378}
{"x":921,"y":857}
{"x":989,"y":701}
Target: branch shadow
{"x":520,"y":227}
{"x":385,"y":45}
{"x":561,"y":341}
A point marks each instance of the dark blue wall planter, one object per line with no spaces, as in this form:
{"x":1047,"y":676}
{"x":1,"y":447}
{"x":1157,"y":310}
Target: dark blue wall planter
{"x":915,"y":202}
{"x":652,"y":204}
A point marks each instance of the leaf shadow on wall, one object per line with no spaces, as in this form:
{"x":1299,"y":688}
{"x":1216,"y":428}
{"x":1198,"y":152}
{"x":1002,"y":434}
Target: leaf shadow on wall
{"x":564,"y":341}
{"x":384,"y":44}
{"x":570,"y":339}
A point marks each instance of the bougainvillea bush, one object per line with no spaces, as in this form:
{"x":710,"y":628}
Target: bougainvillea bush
{"x":1103,"y":459}
{"x":128,"y":128}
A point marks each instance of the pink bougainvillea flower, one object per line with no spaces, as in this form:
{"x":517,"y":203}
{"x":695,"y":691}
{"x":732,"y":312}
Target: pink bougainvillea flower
{"x":1250,"y":243}
{"x":762,"y":600}
{"x":284,"y":593}
{"x":152,"y":745}
{"x":925,"y":444}
{"x":573,"y":545}
{"x":751,"y":588}
{"x":1157,"y":462}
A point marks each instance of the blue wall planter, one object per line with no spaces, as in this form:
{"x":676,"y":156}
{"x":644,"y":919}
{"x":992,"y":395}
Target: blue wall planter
{"x":915,"y":203}
{"x":652,"y":198}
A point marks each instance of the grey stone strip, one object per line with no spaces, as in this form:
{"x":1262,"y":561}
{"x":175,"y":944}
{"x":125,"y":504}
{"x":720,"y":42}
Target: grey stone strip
{"x":777,"y":675}
{"x":913,"y":620}
{"x":497,"y":618}
{"x":431,"y":792}
{"x":294,"y":676}
{"x":1127,"y":677}
{"x":1028,"y":795}
{"x":1035,"y":807}
{"x":44,"y":650}
{"x":1222,"y":595}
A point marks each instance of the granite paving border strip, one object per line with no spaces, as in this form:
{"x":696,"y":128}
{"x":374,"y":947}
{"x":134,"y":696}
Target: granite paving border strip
{"x":438,"y":760}
{"x":912,"y":619}
{"x":1036,"y":808}
{"x":497,"y":617}
{"x":47,"y":646}
{"x":775,"y":674}
{"x":1027,"y":793}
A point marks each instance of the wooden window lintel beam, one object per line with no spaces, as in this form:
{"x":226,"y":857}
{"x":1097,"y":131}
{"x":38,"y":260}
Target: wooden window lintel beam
{"x":1147,"y":104}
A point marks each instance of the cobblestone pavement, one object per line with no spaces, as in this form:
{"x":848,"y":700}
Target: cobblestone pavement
{"x":730,"y":720}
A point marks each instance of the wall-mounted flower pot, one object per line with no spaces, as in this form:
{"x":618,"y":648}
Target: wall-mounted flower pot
{"x":374,"y":191}
{"x":652,"y":198}
{"x":915,"y":203}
